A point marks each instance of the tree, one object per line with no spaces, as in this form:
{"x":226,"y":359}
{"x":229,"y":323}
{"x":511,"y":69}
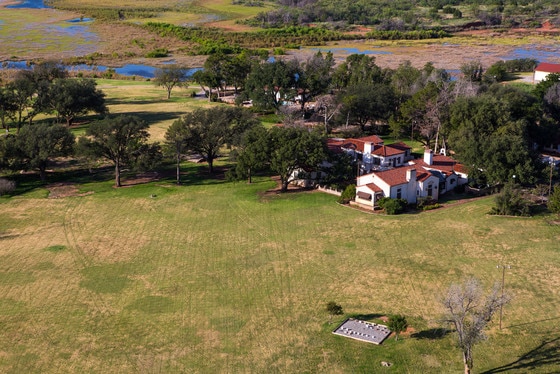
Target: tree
{"x":496,"y":73}
{"x":367,"y":103}
{"x":237,"y":69}
{"x":328,"y":106}
{"x":270,"y":84}
{"x":208,"y":130}
{"x":176,"y":143}
{"x":22,"y":91}
{"x":119,"y":140}
{"x":293,"y":148}
{"x":7,"y":108}
{"x":472,"y":71}
{"x":510,"y":202}
{"x":70,"y":98}
{"x":358,"y":69}
{"x":170,"y":77}
{"x":405,"y":79}
{"x":207,"y":78}
{"x":253,"y":152}
{"x":36,"y":145}
{"x":316,"y":76}
{"x":334,"y":309}
{"x":470,"y":311}
{"x":554,"y":201}
{"x":492,"y":135}
{"x":397,"y":323}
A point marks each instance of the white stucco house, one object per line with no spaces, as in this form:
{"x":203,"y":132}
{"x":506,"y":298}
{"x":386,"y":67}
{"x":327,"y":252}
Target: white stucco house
{"x":428,"y":177}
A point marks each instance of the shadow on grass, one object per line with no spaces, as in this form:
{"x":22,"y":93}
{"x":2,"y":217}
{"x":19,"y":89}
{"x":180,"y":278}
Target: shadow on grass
{"x":432,"y":334}
{"x":192,"y":174}
{"x":366,"y":317}
{"x":545,"y":355}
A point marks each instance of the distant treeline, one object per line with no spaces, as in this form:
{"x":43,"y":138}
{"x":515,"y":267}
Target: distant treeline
{"x":409,"y":13}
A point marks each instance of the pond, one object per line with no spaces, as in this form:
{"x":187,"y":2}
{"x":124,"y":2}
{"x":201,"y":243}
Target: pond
{"x":129,"y":70}
{"x":349,"y":51}
{"x":33,"y":4}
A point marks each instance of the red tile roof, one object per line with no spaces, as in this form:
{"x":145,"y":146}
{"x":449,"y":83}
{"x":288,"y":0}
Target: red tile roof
{"x":374,"y":187}
{"x":372,"y":139}
{"x":388,"y":150}
{"x":548,"y":67}
{"x":393,"y":177}
{"x":445,"y":164}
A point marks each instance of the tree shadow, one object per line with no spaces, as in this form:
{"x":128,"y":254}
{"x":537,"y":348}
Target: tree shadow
{"x":432,"y":334}
{"x":366,"y":317}
{"x":547,"y":354}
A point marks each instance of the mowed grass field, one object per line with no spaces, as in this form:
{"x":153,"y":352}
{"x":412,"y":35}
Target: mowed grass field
{"x":214,"y":277}
{"x":148,"y":101}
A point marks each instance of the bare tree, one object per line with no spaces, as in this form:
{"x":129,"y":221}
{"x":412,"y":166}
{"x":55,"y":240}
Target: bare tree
{"x":329,"y":107}
{"x":470,"y":311}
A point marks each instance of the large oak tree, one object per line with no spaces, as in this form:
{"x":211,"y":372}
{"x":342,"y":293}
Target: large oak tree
{"x":120,"y":140}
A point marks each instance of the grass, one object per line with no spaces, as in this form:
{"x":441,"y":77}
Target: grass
{"x":149,"y":102}
{"x":215,"y":277}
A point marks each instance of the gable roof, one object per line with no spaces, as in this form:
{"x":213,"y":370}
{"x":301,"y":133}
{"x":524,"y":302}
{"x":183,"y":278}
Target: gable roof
{"x":548,"y":67}
{"x":391,"y":149}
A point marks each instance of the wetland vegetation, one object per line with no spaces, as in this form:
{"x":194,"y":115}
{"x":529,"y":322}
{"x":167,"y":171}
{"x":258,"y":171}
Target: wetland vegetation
{"x":215,"y":275}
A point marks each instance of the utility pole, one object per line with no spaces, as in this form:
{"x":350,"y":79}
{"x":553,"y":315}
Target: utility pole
{"x":503,"y":267}
{"x":550,"y":180}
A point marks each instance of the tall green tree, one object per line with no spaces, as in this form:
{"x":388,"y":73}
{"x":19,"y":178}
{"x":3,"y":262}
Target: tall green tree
{"x":70,"y":98}
{"x":367,"y":103}
{"x":169,"y":77}
{"x":22,"y":91}
{"x":119,"y":140}
{"x":358,"y":69}
{"x":208,"y":130}
{"x":8,"y":108}
{"x":176,"y":143}
{"x":491,"y":135}
{"x":271,"y":83}
{"x":316,"y":76}
{"x":36,"y":145}
{"x":253,"y":153}
{"x":294,"y":148}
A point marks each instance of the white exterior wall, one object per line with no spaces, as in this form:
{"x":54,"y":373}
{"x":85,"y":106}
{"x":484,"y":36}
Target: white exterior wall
{"x":423,"y":187}
{"x":539,"y":76}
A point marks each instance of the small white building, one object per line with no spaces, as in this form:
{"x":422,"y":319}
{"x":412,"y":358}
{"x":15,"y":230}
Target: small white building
{"x":543,"y":69}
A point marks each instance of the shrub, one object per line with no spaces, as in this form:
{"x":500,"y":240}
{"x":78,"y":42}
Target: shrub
{"x":554,"y":201}
{"x":509,"y":202}
{"x":392,"y":206}
{"x":348,"y":195}
{"x":158,"y":52}
{"x":6,"y":186}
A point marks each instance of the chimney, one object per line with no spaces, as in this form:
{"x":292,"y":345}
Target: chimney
{"x":428,"y":156}
{"x":410,"y":175}
{"x":368,"y":147}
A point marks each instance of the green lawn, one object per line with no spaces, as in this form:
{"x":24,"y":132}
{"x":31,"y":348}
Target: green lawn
{"x":215,"y":277}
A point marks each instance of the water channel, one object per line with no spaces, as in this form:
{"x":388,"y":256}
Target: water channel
{"x":80,"y":28}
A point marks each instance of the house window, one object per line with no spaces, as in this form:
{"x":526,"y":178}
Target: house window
{"x":451,"y":181}
{"x":399,"y":194}
{"x":430,"y":192}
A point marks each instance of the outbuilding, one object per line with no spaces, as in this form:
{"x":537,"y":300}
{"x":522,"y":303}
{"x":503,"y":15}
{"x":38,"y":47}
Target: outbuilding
{"x":543,"y":69}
